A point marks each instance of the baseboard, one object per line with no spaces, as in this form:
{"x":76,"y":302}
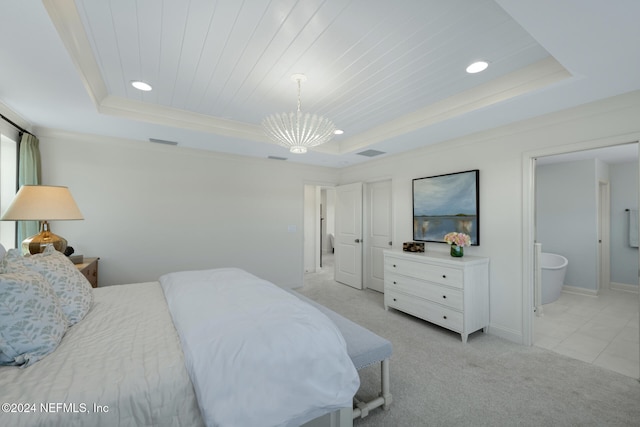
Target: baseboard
{"x":624,"y":287}
{"x":579,"y":291}
{"x":508,"y":334}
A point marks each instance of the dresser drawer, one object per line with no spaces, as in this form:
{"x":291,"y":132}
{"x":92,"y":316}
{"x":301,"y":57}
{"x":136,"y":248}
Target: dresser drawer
{"x":433,"y":273}
{"x":426,"y":310}
{"x":449,"y":297}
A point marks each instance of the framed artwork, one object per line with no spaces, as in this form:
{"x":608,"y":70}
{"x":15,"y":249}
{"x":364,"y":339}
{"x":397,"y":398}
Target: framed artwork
{"x":447,"y":203}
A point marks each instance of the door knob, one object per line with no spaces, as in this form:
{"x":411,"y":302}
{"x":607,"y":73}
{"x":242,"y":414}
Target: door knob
{"x":358,"y":240}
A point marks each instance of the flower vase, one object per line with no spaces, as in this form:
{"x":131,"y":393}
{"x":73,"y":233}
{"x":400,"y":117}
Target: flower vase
{"x":457,"y":251}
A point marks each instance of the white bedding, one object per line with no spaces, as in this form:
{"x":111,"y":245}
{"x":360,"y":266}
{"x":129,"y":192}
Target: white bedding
{"x":257,"y":355}
{"x":125,"y":356}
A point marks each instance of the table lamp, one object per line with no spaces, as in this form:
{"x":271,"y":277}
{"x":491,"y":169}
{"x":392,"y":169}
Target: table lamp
{"x":42,"y":203}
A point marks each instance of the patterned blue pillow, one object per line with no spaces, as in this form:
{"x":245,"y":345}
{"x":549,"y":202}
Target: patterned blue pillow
{"x":32,"y":322}
{"x":73,"y":289}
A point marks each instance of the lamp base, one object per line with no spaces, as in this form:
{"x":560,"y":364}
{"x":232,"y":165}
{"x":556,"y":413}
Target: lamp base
{"x":36,"y":244}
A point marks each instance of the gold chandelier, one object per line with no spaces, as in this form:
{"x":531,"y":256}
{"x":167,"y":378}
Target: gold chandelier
{"x":298,"y":131}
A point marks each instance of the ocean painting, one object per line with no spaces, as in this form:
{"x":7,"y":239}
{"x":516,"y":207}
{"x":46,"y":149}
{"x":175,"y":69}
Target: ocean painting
{"x":446,"y":203}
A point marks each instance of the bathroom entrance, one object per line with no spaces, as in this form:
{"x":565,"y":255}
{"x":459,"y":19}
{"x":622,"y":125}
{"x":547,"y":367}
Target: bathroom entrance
{"x":579,"y":214}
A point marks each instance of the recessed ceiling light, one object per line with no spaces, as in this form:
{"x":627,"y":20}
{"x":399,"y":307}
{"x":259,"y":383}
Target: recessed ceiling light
{"x":476,"y":67}
{"x":141,"y":85}
{"x":338,"y":132}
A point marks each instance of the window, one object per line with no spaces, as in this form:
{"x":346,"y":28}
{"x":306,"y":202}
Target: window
{"x":8,"y":184}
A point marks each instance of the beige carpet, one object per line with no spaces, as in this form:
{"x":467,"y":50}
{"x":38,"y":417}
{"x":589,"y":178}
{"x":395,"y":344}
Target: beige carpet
{"x":438,"y":381}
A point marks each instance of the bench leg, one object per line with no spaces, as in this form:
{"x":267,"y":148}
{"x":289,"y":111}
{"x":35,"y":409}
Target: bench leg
{"x":361,"y":409}
{"x":386,"y":394}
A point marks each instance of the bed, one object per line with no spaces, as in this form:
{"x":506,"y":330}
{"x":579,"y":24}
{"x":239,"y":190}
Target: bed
{"x":187,"y":350}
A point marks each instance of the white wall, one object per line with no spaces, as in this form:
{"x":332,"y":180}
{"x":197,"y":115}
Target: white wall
{"x":499,"y":155}
{"x":150,"y":209}
{"x":624,"y":195}
{"x":153,"y":209}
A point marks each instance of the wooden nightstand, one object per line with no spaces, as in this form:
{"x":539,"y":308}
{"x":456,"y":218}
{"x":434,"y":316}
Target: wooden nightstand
{"x":89,"y":268}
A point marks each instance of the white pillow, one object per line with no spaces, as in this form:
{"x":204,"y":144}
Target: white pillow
{"x":71,"y":287}
{"x":32,"y":322}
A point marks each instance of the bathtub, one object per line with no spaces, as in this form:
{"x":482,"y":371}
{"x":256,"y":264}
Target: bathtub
{"x":554,"y":267}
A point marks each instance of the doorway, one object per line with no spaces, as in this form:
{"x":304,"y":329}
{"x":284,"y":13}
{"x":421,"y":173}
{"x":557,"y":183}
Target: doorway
{"x":371,"y":224}
{"x":594,"y":320}
{"x":319,"y":227}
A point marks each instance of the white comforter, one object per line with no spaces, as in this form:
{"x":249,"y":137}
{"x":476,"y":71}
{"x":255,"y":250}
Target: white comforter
{"x":257,"y":355}
{"x":121,"y":365}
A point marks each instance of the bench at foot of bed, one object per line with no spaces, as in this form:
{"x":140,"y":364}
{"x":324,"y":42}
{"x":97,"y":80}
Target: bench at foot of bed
{"x":365,"y":349}
{"x":361,"y":409}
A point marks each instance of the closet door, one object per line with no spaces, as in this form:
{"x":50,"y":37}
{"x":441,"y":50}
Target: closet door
{"x":378,"y":238}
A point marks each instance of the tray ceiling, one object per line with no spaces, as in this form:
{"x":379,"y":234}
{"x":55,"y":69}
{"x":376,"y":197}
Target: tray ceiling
{"x":390,"y":74}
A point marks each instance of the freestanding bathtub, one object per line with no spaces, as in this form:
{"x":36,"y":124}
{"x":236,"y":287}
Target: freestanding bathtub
{"x":554,"y":267}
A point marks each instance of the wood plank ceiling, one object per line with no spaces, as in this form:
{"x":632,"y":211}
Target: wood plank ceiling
{"x":367,"y":62}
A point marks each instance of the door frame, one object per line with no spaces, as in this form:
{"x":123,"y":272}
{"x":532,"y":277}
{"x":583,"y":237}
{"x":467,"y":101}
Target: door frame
{"x":604,"y":235}
{"x":311,"y":227}
{"x":528,"y":217}
{"x":365,"y":258}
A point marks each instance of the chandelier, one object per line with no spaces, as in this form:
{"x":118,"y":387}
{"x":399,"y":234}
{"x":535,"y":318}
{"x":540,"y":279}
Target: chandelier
{"x":298,"y":131}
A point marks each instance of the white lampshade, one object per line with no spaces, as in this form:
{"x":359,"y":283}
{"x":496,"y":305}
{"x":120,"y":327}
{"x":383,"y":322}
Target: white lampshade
{"x":42,"y":203}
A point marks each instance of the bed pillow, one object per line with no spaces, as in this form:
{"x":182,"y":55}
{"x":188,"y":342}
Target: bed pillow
{"x":71,"y":287}
{"x":32,"y":322}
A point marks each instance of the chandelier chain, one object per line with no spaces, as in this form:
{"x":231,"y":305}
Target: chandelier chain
{"x":299,"y":102}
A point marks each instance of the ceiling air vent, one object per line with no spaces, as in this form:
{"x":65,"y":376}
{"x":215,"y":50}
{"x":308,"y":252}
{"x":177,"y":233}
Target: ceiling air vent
{"x":370,"y":153}
{"x":276,"y":158}
{"x":163,"y":141}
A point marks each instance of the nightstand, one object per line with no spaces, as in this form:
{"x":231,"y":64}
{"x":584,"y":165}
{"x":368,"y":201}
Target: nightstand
{"x":89,"y":268}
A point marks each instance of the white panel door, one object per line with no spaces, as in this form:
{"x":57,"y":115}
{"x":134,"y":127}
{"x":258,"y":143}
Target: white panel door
{"x":378,"y":232}
{"x":348,"y":239}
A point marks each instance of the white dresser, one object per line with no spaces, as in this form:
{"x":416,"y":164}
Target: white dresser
{"x":450,"y":292}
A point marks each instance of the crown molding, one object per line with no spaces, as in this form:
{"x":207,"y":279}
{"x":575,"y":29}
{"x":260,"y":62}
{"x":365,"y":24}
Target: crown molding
{"x":167,"y":116}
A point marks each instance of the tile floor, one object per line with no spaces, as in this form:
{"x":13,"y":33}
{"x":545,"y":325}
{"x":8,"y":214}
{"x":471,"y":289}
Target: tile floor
{"x":601,"y":330}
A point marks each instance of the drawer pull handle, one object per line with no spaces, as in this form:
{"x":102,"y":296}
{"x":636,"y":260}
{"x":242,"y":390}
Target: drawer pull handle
{"x":444,"y":276}
{"x":394,"y":266}
{"x":395,"y":299}
{"x":444,"y":317}
{"x":444,"y":296}
{"x":395,"y":283}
